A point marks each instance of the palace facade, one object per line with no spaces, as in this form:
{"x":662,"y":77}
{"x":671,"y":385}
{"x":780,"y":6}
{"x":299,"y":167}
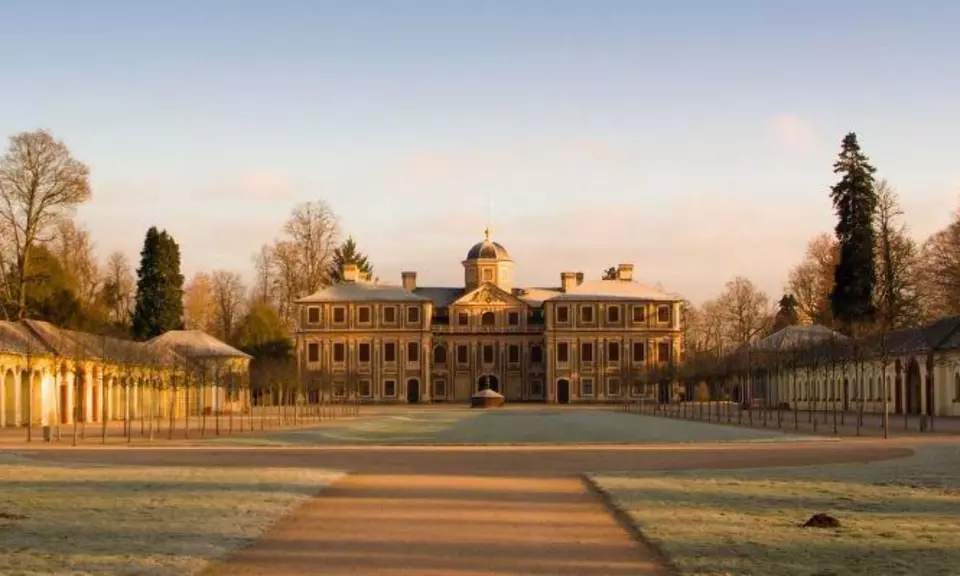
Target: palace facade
{"x":581,"y":341}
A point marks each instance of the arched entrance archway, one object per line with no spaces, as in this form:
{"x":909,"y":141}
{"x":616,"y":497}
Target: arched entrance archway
{"x":413,"y":391}
{"x":898,"y":389}
{"x":563,"y":391}
{"x":913,"y":387}
{"x":488,"y":382}
{"x":9,"y":398}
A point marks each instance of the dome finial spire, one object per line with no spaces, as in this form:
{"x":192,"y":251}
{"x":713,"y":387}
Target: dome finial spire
{"x":486,"y":231}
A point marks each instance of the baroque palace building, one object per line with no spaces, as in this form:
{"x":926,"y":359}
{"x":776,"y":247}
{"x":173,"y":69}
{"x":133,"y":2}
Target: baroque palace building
{"x":581,"y":341}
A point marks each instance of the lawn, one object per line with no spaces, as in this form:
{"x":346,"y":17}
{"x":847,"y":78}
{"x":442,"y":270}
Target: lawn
{"x":897,"y":517}
{"x":532,"y":425}
{"x":73,"y":519}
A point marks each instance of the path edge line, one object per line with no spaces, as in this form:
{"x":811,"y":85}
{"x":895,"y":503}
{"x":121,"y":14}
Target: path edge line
{"x":631,"y":526}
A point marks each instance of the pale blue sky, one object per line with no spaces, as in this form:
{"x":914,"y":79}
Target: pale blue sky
{"x":694,"y":139}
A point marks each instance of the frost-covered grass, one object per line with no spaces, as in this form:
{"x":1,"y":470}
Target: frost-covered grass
{"x":515,"y":426}
{"x":81,"y":519}
{"x":897,"y":517}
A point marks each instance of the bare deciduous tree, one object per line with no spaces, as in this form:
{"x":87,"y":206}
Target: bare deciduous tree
{"x":198,"y":303}
{"x":897,"y":296}
{"x":940,"y":271}
{"x":811,"y":281}
{"x":229,"y":296}
{"x":746,"y":311}
{"x":72,"y":246}
{"x":314,"y":233}
{"x":39,"y":183}
{"x":118,"y":287}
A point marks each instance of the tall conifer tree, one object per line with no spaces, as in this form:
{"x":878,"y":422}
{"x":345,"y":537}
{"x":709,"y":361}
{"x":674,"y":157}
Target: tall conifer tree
{"x":347,"y":253}
{"x":159,"y":305}
{"x":855,"y":201}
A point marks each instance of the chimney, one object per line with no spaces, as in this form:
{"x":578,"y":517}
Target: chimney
{"x":409,"y":281}
{"x":625,"y":272}
{"x":567,"y":280}
{"x":351,"y":273}
{"x":579,"y":278}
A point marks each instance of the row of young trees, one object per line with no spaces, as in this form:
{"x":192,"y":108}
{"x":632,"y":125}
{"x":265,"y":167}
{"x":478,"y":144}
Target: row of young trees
{"x":870,"y":275}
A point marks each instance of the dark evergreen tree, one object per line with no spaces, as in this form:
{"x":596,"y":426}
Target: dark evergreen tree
{"x":787,"y":314}
{"x":855,"y":201}
{"x":347,"y":253}
{"x":159,"y":303}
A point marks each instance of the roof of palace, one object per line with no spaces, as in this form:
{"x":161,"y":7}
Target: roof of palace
{"x":942,"y":334}
{"x":195,"y":344}
{"x":488,"y":250}
{"x":440,"y":296}
{"x":795,"y":337}
{"x":358,"y":291}
{"x":17,"y":338}
{"x":36,"y":337}
{"x":616,"y":290}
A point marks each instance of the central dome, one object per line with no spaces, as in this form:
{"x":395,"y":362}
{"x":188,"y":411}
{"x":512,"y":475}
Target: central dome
{"x":488,"y":250}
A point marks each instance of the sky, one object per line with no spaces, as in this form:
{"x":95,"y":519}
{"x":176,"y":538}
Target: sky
{"x":694,"y":139}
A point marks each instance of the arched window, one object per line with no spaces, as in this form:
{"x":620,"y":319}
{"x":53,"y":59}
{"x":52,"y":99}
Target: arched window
{"x":439,"y":355}
{"x":488,"y":319}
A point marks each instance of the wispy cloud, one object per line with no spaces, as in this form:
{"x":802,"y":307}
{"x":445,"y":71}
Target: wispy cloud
{"x":792,"y":131}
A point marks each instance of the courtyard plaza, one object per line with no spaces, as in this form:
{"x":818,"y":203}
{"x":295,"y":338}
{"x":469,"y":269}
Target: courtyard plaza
{"x":524,"y":490}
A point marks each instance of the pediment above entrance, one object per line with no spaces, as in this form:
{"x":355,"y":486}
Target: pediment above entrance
{"x":489,"y":295}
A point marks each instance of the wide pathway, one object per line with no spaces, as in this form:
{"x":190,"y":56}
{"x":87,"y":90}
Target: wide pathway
{"x":431,"y":525}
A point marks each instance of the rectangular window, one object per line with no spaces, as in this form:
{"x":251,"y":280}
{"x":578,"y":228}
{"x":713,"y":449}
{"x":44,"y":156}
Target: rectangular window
{"x":366,"y":390}
{"x":390,"y":388}
{"x":663,"y":351}
{"x":586,"y":386}
{"x":563,"y":352}
{"x":613,"y":314}
{"x":637,"y":389}
{"x":463,"y":318}
{"x":586,"y":314}
{"x":639,"y":314}
{"x":487,"y":275}
{"x":513,"y":318}
{"x":413,"y":350}
{"x":413,"y":315}
{"x":313,"y":315}
{"x":463,"y":354}
{"x":339,"y":315}
{"x":313,"y":352}
{"x":536,"y":355}
{"x":639,"y":352}
{"x":390,"y":315}
{"x":663,"y":314}
{"x":536,"y":388}
{"x":339,"y":390}
{"x":586,"y":352}
{"x":389,"y":352}
{"x":363,"y":315}
{"x":613,"y":386}
{"x":563,"y":315}
{"x":613,"y":351}
{"x":513,"y":354}
{"x":339,"y":352}
{"x":487,"y":354}
{"x":439,"y":387}
{"x":363,"y":352}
